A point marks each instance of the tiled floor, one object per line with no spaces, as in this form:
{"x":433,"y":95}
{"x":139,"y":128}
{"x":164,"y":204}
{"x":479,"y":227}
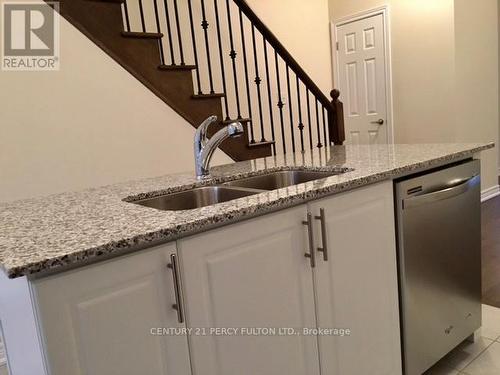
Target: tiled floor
{"x":479,"y":358}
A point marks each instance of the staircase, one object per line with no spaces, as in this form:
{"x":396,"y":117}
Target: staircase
{"x":215,"y":57}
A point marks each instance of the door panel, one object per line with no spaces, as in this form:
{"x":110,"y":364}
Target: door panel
{"x":362,"y":79}
{"x":352,"y":89}
{"x":356,"y":288}
{"x":98,"y":320}
{"x":251,"y":275}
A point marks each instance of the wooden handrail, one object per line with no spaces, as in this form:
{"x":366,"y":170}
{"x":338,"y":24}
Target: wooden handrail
{"x":283,"y":52}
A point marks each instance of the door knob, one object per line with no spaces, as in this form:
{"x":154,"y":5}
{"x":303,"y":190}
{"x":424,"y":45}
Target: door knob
{"x":378,"y":122}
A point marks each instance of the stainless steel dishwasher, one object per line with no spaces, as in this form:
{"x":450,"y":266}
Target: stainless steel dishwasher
{"x":439,"y":250}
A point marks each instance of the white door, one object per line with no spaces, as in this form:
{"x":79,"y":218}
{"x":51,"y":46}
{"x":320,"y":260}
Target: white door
{"x":361,"y":78}
{"x":250,"y":275}
{"x":357,"y":285}
{"x":101,"y":319}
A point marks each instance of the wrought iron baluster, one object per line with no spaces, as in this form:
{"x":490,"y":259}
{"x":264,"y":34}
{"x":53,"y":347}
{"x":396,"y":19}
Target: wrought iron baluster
{"x":204,"y":25}
{"x":127,"y":17}
{"x":221,"y":58}
{"x":245,"y":64}
{"x":195,"y":49}
{"x":169,"y":33}
{"x":301,"y":125}
{"x":158,"y":30}
{"x":258,"y":81}
{"x":179,"y":35}
{"x":280,"y":102}
{"x":304,"y":79}
{"x":233,"y":55}
{"x":319,"y":145}
{"x":290,"y":108}
{"x":141,"y":13}
{"x":309,"y":120}
{"x":269,"y":97}
{"x":324,"y":128}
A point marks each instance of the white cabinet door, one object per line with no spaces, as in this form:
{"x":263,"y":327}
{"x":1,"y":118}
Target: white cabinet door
{"x":357,"y":286}
{"x":98,"y":320}
{"x":250,"y":275}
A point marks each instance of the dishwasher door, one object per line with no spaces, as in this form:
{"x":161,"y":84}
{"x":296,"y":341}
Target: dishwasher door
{"x":439,"y":248}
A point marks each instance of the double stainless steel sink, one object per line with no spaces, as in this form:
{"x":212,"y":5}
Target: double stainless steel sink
{"x":209,"y":195}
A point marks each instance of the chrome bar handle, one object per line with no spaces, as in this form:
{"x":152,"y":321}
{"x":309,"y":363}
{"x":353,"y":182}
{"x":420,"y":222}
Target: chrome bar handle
{"x":446,"y":192}
{"x":324,"y":237}
{"x":177,"y":288}
{"x":311,"y":254}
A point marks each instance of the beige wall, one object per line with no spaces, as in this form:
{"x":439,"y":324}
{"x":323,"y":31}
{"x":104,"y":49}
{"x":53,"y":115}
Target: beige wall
{"x":439,"y":49}
{"x":303,"y":28}
{"x":477,"y":78}
{"x":87,"y":125}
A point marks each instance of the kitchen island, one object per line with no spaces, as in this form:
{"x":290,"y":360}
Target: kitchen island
{"x":97,"y":278}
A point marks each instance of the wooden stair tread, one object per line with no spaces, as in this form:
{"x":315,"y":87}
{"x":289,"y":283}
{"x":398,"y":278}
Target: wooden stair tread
{"x":208,"y":96}
{"x":177,"y":67}
{"x":108,"y":1}
{"x":242,"y":120}
{"x":134,"y":34}
{"x":258,"y":144}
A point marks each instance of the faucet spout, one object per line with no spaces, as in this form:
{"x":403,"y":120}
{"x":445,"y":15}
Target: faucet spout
{"x":204,"y":148}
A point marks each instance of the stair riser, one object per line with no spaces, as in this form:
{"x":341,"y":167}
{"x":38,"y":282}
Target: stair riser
{"x":89,"y":15}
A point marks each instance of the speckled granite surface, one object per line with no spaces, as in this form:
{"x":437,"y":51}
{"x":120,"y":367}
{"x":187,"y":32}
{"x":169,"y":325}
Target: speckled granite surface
{"x":55,"y":232}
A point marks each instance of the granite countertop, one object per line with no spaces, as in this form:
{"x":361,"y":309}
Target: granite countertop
{"x":54,"y":233}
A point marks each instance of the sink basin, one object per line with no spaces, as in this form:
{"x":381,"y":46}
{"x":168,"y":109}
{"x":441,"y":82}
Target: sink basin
{"x":281,"y":179}
{"x":196,"y":198}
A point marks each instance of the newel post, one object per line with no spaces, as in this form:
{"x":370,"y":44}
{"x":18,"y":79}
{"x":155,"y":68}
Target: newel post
{"x":336,"y":119}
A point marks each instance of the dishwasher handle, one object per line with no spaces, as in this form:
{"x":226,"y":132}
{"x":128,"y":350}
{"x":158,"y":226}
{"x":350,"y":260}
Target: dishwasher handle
{"x":444,"y":193}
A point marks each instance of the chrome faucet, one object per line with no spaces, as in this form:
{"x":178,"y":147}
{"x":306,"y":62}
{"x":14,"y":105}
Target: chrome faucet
{"x":204,"y":148}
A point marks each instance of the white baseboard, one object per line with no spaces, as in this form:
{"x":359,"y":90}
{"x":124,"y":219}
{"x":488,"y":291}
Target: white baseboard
{"x":490,"y":193}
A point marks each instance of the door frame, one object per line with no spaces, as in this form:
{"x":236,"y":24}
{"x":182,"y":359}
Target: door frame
{"x":385,"y":12}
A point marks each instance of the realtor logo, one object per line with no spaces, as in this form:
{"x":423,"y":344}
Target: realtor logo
{"x":30,"y":35}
